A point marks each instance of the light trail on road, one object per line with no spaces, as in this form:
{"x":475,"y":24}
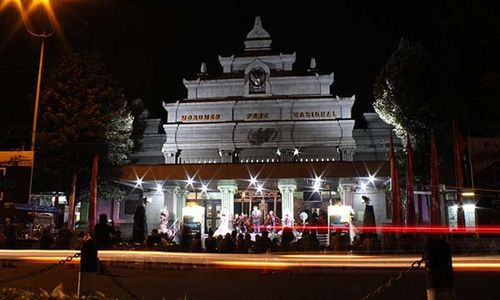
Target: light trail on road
{"x":255,"y":261}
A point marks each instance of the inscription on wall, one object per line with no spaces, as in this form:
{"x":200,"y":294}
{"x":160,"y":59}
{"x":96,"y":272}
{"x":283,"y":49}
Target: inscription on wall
{"x":257,"y":116}
{"x":200,"y":117}
{"x":314,"y":114}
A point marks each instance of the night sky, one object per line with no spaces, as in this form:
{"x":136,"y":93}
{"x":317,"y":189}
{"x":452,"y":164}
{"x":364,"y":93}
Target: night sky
{"x":149,"y":46}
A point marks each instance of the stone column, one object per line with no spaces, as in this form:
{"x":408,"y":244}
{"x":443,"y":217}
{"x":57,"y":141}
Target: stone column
{"x":227,"y":198}
{"x":171,"y":155}
{"x":287,"y":190}
{"x":170,"y":200}
{"x":347,"y":193}
{"x":287,"y":154}
{"x":226,"y":155}
{"x":180,"y":203}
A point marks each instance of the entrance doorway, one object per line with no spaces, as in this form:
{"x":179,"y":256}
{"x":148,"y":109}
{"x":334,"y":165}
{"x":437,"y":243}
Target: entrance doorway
{"x":212,"y":214}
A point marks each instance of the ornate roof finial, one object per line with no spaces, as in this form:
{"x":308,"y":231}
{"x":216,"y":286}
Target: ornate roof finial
{"x":258,"y":22}
{"x":258,"y":38}
{"x":312,"y":65}
{"x":203,"y":68}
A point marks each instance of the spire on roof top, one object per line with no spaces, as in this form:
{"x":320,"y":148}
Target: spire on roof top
{"x":312,"y":65}
{"x":258,"y":38}
{"x":203,"y":69}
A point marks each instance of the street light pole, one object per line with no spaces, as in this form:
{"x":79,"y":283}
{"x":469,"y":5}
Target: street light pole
{"x":42,"y":36}
{"x":37,"y":94}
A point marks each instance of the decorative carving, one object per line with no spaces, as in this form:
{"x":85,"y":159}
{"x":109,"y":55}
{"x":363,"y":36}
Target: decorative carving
{"x":257,"y":78}
{"x":260,"y":136}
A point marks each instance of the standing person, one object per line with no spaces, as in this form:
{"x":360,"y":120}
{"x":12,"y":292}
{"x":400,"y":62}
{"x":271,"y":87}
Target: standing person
{"x":263,"y":207}
{"x":314,"y":220}
{"x":236,"y":222}
{"x":224,"y":224}
{"x":103,"y":232}
{"x":47,"y":239}
{"x":256,"y":216}
{"x":272,"y":222}
{"x":153,"y":240}
{"x":10,"y":235}
{"x":210,"y":242}
{"x":164,"y":214}
{"x":196,"y":243}
{"x":243,"y":223}
{"x":64,"y":238}
{"x":139,"y":230}
{"x":185,"y":240}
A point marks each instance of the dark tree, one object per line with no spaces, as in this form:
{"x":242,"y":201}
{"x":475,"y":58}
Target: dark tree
{"x":82,"y":111}
{"x":453,"y":74}
{"x":403,"y":91}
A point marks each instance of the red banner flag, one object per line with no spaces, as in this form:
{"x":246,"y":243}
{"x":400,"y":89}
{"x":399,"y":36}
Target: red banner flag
{"x":435,"y":199}
{"x":458,"y":150}
{"x":397,"y":216}
{"x":93,"y":195}
{"x":71,"y":203}
{"x":410,"y":204}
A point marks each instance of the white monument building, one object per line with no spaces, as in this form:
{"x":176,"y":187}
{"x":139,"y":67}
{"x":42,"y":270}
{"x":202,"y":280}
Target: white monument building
{"x":259,"y":132}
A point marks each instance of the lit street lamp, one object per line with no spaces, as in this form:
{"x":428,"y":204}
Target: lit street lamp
{"x":42,"y":36}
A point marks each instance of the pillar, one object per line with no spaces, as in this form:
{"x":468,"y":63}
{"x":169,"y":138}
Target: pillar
{"x":171,"y":154}
{"x":347,"y":193}
{"x":227,"y":198}
{"x":287,"y":191}
{"x":180,"y":202}
{"x":226,"y":155}
{"x":172,"y":200}
{"x":287,"y":154}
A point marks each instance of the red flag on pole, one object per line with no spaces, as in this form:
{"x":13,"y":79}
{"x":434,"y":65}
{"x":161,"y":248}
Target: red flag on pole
{"x":93,"y":195}
{"x":458,"y":147}
{"x":410,"y":204}
{"x":435,"y":199}
{"x":397,"y":215}
{"x":71,"y":202}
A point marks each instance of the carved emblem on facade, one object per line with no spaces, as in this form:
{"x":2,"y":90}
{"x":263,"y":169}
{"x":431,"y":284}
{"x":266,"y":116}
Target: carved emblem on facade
{"x":257,"y":80}
{"x":261,"y":135}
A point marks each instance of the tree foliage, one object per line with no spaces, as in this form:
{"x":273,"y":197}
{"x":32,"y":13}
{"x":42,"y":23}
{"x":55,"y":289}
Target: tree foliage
{"x":451,"y":74}
{"x":82,"y":111}
{"x":402,"y":91}
{"x":106,"y":191}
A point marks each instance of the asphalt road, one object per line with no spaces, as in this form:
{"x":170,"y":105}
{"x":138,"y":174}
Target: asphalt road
{"x":168,"y":281}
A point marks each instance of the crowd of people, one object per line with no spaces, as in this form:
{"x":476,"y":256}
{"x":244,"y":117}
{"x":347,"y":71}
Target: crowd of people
{"x":263,"y":242}
{"x":273,"y":236}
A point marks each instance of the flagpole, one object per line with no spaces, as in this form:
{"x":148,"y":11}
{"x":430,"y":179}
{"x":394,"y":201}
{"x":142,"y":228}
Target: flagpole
{"x":435,"y":192}
{"x":458,"y":154}
{"x":470,"y":167}
{"x":410,"y":201}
